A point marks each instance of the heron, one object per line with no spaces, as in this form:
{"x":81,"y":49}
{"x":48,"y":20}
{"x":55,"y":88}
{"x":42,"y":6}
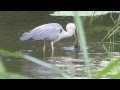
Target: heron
{"x":52,"y":32}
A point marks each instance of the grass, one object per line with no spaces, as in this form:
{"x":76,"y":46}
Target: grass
{"x":83,"y":43}
{"x":111,"y":34}
{"x":108,"y":69}
{"x":111,"y":68}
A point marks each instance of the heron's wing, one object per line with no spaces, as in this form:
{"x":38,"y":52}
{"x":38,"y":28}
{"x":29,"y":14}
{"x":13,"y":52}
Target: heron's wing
{"x":49,"y":33}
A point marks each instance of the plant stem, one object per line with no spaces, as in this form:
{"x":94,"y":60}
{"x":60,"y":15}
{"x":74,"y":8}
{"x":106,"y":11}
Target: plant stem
{"x":82,"y":40}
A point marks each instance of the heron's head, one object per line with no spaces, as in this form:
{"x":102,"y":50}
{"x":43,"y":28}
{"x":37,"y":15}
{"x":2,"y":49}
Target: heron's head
{"x":70,"y":27}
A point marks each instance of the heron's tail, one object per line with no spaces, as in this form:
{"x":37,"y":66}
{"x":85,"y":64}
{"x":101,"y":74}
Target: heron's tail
{"x":26,"y":36}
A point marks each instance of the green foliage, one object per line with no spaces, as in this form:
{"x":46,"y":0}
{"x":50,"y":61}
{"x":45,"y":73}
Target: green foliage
{"x":7,"y":53}
{"x":8,"y":75}
{"x":2,"y":68}
{"x":116,"y":76}
{"x":107,"y":69}
{"x":115,"y":29}
{"x":83,"y":43}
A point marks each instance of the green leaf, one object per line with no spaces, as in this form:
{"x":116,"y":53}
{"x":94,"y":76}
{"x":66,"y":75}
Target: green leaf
{"x":2,"y":68}
{"x":14,"y":54}
{"x":116,"y":76}
{"x":107,"y":69}
{"x":7,"y":75}
{"x":82,"y":40}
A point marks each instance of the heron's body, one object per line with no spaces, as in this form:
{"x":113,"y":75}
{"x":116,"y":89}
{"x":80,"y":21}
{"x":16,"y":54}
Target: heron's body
{"x":52,"y":32}
{"x":47,"y":32}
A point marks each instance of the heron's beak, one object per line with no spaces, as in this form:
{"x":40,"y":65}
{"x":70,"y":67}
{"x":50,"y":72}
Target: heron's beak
{"x":75,"y":36}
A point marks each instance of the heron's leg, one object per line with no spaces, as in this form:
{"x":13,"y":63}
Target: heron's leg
{"x":52,"y":48}
{"x":44,"y":49}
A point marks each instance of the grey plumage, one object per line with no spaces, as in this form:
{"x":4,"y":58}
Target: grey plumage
{"x":49,"y":32}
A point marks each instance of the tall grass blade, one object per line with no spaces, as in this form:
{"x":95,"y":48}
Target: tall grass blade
{"x":2,"y":68}
{"x":8,"y":75}
{"x":116,"y":76}
{"x":82,"y":40}
{"x":113,"y":30}
{"x":107,"y":69}
{"x":112,"y":18}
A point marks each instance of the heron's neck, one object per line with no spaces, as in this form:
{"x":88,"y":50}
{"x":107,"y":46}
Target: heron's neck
{"x":68,"y":33}
{"x":65,"y":34}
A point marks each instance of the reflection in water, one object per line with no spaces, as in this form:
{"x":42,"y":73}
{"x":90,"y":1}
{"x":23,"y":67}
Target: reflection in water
{"x":44,"y":50}
{"x":77,"y":54}
{"x":73,"y":67}
{"x":52,"y":55}
{"x":77,"y":49}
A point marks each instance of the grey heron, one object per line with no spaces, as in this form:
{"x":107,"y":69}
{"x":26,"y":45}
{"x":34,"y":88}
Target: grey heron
{"x":52,"y":32}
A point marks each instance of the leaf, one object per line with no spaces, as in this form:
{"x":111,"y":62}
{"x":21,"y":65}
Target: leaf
{"x":107,"y":69}
{"x":2,"y":68}
{"x":7,"y":75}
{"x":117,"y":75}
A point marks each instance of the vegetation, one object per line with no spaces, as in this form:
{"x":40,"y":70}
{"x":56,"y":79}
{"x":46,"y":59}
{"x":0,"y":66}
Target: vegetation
{"x":82,"y":40}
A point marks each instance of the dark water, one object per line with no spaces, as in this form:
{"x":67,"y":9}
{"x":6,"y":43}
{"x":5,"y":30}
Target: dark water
{"x":14,"y":23}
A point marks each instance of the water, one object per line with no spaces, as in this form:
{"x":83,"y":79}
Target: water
{"x":14,"y":23}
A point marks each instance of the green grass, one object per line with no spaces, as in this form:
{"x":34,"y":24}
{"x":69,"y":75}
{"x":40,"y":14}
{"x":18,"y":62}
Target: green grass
{"x":83,"y":43}
{"x":107,"y":69}
{"x":111,"y":68}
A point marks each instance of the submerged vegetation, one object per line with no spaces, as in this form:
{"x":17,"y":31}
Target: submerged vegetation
{"x":111,"y":70}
